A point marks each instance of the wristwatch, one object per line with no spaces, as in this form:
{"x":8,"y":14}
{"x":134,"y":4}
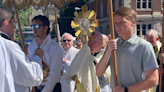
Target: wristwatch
{"x":126,"y":89}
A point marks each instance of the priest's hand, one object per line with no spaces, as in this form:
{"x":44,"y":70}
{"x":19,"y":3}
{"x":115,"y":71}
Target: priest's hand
{"x":118,"y":88}
{"x":112,"y":45}
{"x":160,"y":70}
{"x":161,"y":57}
{"x":39,"y":52}
{"x":64,"y":60}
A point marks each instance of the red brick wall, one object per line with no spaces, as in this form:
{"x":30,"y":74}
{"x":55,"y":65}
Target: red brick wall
{"x":133,"y":4}
{"x":156,"y":5}
{"x":144,"y":12}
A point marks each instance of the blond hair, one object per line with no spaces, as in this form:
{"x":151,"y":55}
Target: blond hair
{"x":126,"y":12}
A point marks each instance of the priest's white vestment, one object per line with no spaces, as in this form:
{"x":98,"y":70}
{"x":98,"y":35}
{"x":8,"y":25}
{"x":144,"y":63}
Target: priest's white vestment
{"x":17,"y":73}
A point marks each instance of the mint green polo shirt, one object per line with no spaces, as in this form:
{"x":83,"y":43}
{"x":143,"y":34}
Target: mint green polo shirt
{"x":134,"y":57}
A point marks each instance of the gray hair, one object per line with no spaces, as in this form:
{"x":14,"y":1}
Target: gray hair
{"x":152,"y":31}
{"x":67,"y":34}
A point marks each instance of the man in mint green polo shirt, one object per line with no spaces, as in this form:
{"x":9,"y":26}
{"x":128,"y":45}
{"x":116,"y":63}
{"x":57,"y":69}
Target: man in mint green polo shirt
{"x":137,"y":68}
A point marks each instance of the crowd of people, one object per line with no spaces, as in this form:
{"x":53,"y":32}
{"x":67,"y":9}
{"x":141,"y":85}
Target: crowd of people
{"x":45,"y":65}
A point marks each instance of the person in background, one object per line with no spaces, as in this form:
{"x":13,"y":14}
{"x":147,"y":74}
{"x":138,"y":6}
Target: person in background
{"x":69,"y":53}
{"x":97,"y":44}
{"x":17,"y":72}
{"x":52,"y":59}
{"x":79,"y":43}
{"x":137,"y":68}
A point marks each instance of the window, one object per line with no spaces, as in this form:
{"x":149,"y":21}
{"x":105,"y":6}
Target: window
{"x":144,"y":4}
{"x":138,"y":29}
{"x":142,"y":28}
{"x":107,"y":29}
{"x":101,"y":29}
{"x":162,"y":3}
{"x":101,"y":9}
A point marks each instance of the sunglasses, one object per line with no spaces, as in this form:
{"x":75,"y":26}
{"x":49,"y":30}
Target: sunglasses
{"x":66,"y":40}
{"x":78,"y":41}
{"x":37,"y":26}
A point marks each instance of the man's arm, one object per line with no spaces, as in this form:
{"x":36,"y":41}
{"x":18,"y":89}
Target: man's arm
{"x":150,"y":81}
{"x":103,"y":64}
{"x":69,"y":62}
{"x":55,"y":69}
{"x":24,"y":72}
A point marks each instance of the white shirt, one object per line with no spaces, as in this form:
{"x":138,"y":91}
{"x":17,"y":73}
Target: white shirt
{"x":69,"y":56}
{"x":66,"y":82}
{"x":24,"y":73}
{"x":53,"y":58}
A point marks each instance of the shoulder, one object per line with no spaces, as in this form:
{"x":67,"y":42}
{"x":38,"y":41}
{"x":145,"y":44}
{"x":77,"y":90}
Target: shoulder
{"x":55,"y":45}
{"x":11,"y":46}
{"x":74,"y":49}
{"x":31,"y":44}
{"x":144,"y":45}
{"x":143,"y":42}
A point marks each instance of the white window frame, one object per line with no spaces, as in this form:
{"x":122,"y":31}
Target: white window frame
{"x":162,"y":4}
{"x":140,"y":24}
{"x":147,"y":5}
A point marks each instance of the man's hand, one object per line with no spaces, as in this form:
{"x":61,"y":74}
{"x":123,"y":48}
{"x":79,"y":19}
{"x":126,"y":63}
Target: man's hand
{"x":118,"y":88}
{"x":25,"y":51}
{"x":39,"y":52}
{"x":160,"y":70}
{"x":64,"y":60}
{"x":161,"y":57}
{"x":112,"y":45}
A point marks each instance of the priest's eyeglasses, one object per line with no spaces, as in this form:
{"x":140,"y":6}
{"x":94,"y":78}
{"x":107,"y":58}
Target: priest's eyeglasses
{"x":37,"y":26}
{"x":66,"y":40}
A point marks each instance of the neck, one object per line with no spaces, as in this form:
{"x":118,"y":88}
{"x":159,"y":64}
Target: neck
{"x":40,"y":41}
{"x":67,"y":48}
{"x":79,"y":46}
{"x":126,"y":37}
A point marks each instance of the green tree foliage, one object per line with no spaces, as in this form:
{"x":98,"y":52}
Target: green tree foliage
{"x":66,"y":16}
{"x":24,"y":21}
{"x":24,"y":16}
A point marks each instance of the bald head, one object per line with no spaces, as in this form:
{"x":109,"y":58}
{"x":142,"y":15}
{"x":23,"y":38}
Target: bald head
{"x":105,"y":41}
{"x":105,"y":37}
{"x":95,"y":42}
{"x":96,"y":35}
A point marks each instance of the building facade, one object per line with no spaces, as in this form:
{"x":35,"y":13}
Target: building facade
{"x":50,"y":13}
{"x":149,"y":14}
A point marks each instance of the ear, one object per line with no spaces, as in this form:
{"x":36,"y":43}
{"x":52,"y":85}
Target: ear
{"x":157,"y":39}
{"x":46,"y":28}
{"x":133,"y":22}
{"x":6,"y":22}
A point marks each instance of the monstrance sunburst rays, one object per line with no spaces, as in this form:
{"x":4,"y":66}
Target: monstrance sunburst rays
{"x":84,"y":23}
